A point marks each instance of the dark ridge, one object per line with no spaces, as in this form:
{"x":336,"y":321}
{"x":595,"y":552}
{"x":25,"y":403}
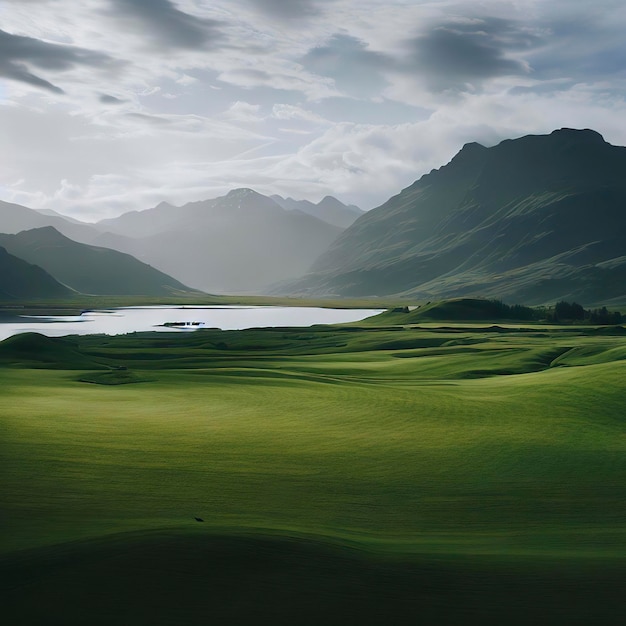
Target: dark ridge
{"x":534,"y":219}
{"x":89,"y":269}
{"x":21,"y":280}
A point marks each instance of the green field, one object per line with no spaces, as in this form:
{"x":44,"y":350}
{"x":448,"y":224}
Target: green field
{"x":364,"y":474}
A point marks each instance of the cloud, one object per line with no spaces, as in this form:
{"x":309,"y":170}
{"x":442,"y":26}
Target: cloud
{"x":17,"y":53}
{"x":459,"y":55}
{"x":330,"y":96}
{"x":289,"y":9}
{"x":185,"y":80}
{"x":582,"y":44}
{"x":354,"y":67}
{"x":108,"y":99}
{"x":243,"y":112}
{"x":285,"y":77}
{"x":290,"y":112}
{"x":167,"y":26}
{"x":547,"y":87}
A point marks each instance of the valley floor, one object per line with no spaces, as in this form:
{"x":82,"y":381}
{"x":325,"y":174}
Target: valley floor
{"x":344,"y":475}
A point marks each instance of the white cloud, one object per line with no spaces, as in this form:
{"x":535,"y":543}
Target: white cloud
{"x":237,"y":97}
{"x":243,"y":112}
{"x":290,"y":112}
{"x":186,"y":80}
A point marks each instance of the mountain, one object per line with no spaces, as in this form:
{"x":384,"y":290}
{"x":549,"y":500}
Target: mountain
{"x":329,"y":209}
{"x":51,"y":213}
{"x":15,"y":218}
{"x":142,"y":223}
{"x":21,"y":280}
{"x":89,"y":269}
{"x":534,"y":219}
{"x":238,"y":243}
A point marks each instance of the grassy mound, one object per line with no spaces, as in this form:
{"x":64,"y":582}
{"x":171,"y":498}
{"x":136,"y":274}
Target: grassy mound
{"x":201,"y":578}
{"x":34,"y":350}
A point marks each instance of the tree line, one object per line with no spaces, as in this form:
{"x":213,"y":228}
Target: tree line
{"x":573,"y":312}
{"x":561,"y":312}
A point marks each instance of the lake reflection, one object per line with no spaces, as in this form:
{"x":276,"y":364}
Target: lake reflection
{"x":139,"y":319}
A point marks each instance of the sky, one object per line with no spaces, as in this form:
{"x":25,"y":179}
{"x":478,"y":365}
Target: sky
{"x":108,"y":106}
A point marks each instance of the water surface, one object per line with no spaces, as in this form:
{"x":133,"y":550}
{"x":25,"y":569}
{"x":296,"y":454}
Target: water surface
{"x":139,"y":319}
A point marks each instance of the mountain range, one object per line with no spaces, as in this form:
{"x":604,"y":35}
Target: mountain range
{"x":534,"y":219}
{"x":15,"y":218}
{"x":329,"y":209}
{"x":242,"y":242}
{"x":88,"y":269}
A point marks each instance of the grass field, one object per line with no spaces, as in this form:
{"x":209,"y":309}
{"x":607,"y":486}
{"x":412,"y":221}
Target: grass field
{"x":447,"y":474}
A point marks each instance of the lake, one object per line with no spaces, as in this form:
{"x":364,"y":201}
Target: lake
{"x":178,"y":319}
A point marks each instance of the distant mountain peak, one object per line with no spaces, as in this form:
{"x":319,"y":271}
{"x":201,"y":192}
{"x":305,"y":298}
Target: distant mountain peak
{"x":473,"y":147}
{"x":15,"y":218}
{"x":162,"y":205}
{"x":472,"y":152}
{"x":328,"y":209}
{"x":43,"y":233}
{"x":331,"y":202}
{"x":585,"y":134}
{"x":242,"y":192}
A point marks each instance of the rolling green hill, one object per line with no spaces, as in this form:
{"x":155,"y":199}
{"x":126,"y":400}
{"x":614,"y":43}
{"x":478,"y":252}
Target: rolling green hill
{"x":329,"y":475}
{"x":20,"y":280}
{"x":32,"y":350}
{"x":89,"y":269}
{"x":534,"y":219}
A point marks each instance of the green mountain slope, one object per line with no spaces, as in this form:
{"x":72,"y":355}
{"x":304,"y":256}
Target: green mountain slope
{"x":89,"y":269}
{"x":535,"y":219}
{"x":19,"y":280}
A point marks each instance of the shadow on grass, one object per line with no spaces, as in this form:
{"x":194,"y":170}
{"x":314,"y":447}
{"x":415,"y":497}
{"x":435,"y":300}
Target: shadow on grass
{"x":112,"y":377}
{"x":167,"y":577}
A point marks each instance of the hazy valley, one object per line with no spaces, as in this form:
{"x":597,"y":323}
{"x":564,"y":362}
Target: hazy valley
{"x":458,"y":457}
{"x":533,"y":220}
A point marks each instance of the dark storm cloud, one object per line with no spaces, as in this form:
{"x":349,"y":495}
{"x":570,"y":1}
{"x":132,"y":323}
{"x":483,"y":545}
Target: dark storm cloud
{"x":583,"y":47}
{"x":470,"y":51}
{"x":542,"y":89}
{"x":18,"y":53}
{"x":289,"y":9}
{"x":168,"y":26}
{"x":345,"y":49}
{"x":347,"y":60}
